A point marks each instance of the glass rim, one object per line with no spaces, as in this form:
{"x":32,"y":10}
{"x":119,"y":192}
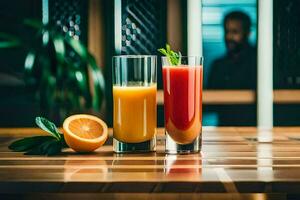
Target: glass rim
{"x":186,"y":57}
{"x":135,"y":56}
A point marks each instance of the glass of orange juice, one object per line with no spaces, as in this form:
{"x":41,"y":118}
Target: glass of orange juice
{"x":134,"y":107}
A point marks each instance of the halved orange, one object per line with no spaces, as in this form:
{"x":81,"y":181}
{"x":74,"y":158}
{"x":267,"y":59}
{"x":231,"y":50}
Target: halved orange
{"x":84,"y":133}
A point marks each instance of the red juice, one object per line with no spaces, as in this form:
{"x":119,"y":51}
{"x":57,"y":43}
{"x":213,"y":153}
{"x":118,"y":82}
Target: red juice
{"x":183,"y":102}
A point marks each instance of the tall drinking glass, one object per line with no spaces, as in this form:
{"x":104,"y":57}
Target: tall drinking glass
{"x":183,"y":104}
{"x":134,"y":96}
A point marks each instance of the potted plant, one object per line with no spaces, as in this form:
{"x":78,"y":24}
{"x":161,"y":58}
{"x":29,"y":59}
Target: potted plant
{"x":62,"y":84}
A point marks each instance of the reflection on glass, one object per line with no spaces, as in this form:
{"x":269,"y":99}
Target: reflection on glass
{"x":134,"y":101}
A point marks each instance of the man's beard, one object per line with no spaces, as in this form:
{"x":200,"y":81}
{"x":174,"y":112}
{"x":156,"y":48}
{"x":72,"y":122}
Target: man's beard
{"x":234,"y":47}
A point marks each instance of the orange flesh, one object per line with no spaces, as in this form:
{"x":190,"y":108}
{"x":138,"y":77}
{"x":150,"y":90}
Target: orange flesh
{"x":86,"y":128}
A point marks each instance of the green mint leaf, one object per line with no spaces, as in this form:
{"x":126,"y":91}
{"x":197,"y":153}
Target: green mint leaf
{"x":173,"y":57}
{"x":27,"y":143}
{"x":168,"y":48}
{"x":162,"y":51}
{"x":48,"y":126}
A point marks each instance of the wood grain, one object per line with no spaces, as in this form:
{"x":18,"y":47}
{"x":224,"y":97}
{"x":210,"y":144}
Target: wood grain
{"x":154,"y":196}
{"x":232,"y":161}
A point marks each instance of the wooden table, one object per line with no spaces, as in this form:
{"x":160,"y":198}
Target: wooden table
{"x":232,"y":165}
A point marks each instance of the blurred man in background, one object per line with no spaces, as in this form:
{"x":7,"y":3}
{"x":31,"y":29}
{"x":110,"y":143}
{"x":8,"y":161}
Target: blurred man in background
{"x":237,"y":68}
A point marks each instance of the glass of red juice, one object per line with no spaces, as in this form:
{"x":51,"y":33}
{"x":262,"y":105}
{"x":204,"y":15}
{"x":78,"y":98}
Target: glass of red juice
{"x":183,"y":104}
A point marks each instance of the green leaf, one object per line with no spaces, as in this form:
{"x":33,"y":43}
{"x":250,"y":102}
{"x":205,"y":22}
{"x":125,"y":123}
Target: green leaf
{"x":168,"y":48}
{"x":173,"y":57}
{"x":179,"y":61}
{"x":9,"y":41}
{"x":98,"y":81}
{"x":48,"y":126}
{"x":59,"y":46}
{"x":45,"y":146}
{"x":78,"y":47}
{"x":28,"y":143}
{"x":54,"y":148}
{"x":63,"y":142}
{"x":49,"y":148}
{"x":97,"y":75}
{"x":37,"y":24}
{"x":34,"y":151}
{"x":37,"y":150}
{"x":29,"y":62}
{"x":41,"y":145}
{"x":163,"y":51}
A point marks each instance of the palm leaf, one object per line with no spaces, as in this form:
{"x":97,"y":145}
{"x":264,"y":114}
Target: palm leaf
{"x":9,"y":41}
{"x":60,"y":81}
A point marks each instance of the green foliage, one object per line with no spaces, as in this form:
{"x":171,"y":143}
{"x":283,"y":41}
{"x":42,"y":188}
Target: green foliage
{"x":48,"y":126}
{"x":8,"y":41}
{"x":62,"y":84}
{"x":173,"y":57}
{"x":41,"y":145}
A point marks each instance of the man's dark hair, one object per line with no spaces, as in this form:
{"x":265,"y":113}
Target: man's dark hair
{"x":240,"y":16}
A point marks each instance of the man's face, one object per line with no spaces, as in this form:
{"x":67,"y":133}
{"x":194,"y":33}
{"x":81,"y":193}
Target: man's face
{"x":235,"y":36}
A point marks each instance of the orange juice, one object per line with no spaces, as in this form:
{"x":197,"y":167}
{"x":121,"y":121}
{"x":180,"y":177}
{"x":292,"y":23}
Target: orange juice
{"x":134,"y":113}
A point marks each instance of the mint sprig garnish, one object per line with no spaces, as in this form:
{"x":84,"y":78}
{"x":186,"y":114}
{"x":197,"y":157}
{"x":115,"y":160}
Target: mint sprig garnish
{"x":41,"y":145}
{"x":173,"y":57}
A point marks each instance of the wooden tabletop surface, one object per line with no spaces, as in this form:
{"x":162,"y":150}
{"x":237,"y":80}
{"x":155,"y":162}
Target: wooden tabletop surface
{"x":233,"y":160}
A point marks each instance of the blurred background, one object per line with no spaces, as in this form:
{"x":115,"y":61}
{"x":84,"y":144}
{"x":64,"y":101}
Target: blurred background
{"x":55,"y":55}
